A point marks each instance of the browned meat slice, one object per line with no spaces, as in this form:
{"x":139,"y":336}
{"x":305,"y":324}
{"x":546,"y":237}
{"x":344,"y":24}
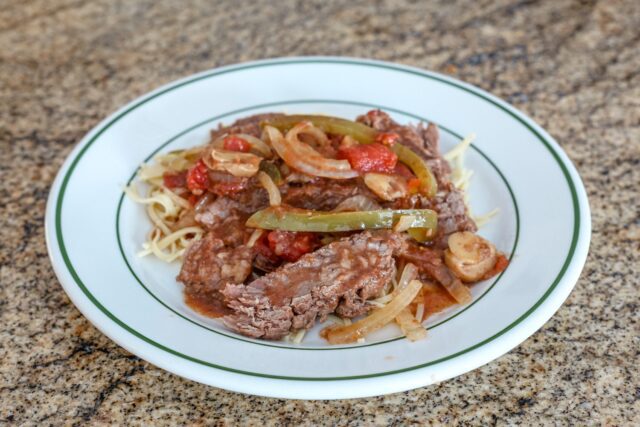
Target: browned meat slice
{"x":429,"y":261}
{"x":224,"y":219}
{"x":249,"y":125}
{"x":324,"y":194}
{"x":208,"y":265}
{"x":338,"y":277}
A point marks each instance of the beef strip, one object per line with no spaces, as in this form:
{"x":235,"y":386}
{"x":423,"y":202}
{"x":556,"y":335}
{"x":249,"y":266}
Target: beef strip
{"x":338,"y":277}
{"x":220,"y":257}
{"x":428,"y":260}
{"x":248,"y":125}
{"x":209,"y":264}
{"x":324,"y":194}
{"x":425,"y":140}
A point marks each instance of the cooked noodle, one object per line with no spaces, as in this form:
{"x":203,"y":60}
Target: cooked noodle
{"x":164,"y":207}
{"x":461,"y":178}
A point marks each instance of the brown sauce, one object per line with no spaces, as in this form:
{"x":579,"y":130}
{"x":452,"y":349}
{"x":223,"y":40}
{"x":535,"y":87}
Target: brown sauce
{"x":206,"y":305}
{"x":435,"y":299}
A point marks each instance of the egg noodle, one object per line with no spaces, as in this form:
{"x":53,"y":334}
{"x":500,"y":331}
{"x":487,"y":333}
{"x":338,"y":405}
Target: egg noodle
{"x":167,"y":240}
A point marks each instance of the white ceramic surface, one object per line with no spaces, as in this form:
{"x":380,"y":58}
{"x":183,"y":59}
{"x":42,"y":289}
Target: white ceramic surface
{"x":93,"y":232}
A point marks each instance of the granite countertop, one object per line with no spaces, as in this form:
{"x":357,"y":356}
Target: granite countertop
{"x":573,"y":66}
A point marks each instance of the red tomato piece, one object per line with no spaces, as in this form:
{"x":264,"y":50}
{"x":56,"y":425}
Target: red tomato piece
{"x":370,"y":158}
{"x":263,"y":248}
{"x":402,"y":170}
{"x":193,"y":199}
{"x":414,"y":185}
{"x":291,"y":245}
{"x":174,"y":180}
{"x":197,"y":178}
{"x":235,"y":143}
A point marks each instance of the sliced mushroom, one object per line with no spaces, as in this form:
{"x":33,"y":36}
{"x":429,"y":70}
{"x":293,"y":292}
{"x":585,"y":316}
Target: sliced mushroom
{"x":469,"y":256}
{"x":387,"y":187}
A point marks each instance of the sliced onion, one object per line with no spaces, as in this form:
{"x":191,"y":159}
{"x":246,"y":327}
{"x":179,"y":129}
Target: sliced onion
{"x":409,"y":273}
{"x":257,"y":233}
{"x":357,"y":203}
{"x":376,"y":320}
{"x":275,"y":199}
{"x":458,"y":291}
{"x":236,"y":163}
{"x":258,"y":146}
{"x":302,"y":157}
{"x":411,"y":328}
{"x":404,"y":223}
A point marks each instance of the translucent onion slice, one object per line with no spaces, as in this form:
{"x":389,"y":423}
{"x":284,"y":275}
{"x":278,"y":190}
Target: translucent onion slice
{"x":258,"y":146}
{"x":272,"y":189}
{"x":257,"y":233}
{"x":411,"y":328}
{"x":376,"y":320}
{"x":404,"y":223}
{"x":409,"y":273}
{"x":234,"y":162}
{"x":357,"y":203}
{"x":303,"y":158}
{"x":458,"y":291}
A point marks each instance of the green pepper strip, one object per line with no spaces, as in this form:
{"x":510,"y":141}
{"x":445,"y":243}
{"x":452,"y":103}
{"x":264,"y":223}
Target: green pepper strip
{"x":361,"y":133}
{"x":365,"y":135}
{"x":271,"y":170}
{"x":428,"y":184}
{"x":291,"y":219}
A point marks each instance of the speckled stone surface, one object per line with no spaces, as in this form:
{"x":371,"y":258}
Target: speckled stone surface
{"x":573,"y":66}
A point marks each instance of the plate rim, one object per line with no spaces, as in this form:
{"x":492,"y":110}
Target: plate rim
{"x":567,"y":276}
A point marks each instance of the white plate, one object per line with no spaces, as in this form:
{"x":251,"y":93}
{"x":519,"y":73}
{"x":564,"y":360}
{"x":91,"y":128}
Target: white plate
{"x":93,"y":233}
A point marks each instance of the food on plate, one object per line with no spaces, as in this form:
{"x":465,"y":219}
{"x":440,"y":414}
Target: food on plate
{"x":281,"y":221}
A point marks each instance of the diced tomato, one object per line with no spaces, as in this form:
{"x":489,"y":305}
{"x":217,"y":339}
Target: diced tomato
{"x":387,"y":138}
{"x":193,"y":199}
{"x":197,"y":178}
{"x":413,"y":185}
{"x":175,"y":180}
{"x":291,"y":245}
{"x":402,"y":170}
{"x":370,"y":158}
{"x":235,"y":143}
{"x":263,"y":248}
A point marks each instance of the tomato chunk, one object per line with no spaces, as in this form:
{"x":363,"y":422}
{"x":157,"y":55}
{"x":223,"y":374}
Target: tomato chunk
{"x":369,"y":157}
{"x":174,"y":180}
{"x":291,"y":245}
{"x":197,"y":178}
{"x":263,"y":248}
{"x":235,"y":143}
{"x":402,"y":170}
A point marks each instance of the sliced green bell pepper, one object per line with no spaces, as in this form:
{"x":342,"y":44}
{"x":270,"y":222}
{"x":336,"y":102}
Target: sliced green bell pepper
{"x":358,"y":131}
{"x":292,"y":219}
{"x":428,"y":184}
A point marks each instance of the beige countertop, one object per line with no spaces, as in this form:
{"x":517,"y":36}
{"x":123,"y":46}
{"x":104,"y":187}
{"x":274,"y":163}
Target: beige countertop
{"x":573,"y":66}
